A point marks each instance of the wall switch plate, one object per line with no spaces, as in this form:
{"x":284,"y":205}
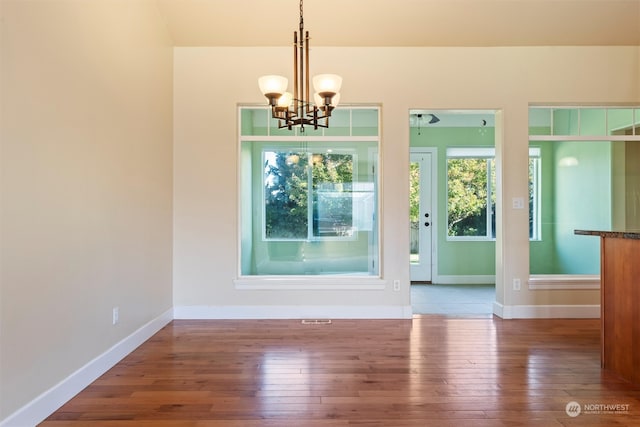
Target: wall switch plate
{"x":116,"y":315}
{"x":518,"y":203}
{"x":396,"y":285}
{"x":516,"y":284}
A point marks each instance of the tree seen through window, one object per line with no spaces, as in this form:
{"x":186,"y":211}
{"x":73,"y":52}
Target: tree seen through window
{"x":290,"y":208}
{"x":471,"y":199}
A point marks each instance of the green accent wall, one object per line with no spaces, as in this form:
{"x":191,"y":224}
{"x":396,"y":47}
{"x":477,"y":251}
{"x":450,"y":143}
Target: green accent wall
{"x":582,"y":201}
{"x":542,"y":255}
{"x":575,"y":194}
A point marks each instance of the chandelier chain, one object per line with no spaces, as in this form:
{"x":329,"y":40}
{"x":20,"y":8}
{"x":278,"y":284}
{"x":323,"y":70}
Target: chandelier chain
{"x":301,"y":21}
{"x":301,"y":14}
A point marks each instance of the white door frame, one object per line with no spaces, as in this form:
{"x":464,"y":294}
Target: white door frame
{"x":433,"y":214}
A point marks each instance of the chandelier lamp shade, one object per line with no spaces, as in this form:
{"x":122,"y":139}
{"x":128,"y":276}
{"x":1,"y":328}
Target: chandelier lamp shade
{"x":298,"y":108}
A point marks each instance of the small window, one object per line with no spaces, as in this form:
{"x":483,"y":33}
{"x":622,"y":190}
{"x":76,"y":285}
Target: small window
{"x":471,"y":193}
{"x":293,"y":213}
{"x":534,"y":193}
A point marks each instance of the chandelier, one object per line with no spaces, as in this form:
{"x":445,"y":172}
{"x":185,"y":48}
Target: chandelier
{"x":298,"y":109}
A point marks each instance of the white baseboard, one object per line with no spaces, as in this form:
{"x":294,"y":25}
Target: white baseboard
{"x":546,"y":311}
{"x":292,"y":312}
{"x":464,"y":280}
{"x":48,"y":402}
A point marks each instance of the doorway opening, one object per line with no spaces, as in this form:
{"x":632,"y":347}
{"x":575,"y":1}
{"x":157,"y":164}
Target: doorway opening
{"x":452,"y":211}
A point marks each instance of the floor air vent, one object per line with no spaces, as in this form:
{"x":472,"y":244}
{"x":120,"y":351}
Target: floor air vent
{"x":316,"y":321}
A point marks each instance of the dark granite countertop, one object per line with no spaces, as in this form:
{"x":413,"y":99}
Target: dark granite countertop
{"x":629,"y":234}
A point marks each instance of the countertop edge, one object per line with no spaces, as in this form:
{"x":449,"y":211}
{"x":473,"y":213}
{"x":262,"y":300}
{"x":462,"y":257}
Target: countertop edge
{"x":610,"y":234}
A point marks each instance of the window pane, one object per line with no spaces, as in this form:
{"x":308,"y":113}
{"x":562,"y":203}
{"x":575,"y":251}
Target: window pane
{"x":414,"y":211}
{"x":339,"y":123}
{"x":285,"y":195}
{"x":492,"y":197}
{"x":367,"y":122}
{"x":540,"y":121}
{"x":593,"y":121}
{"x":620,"y":121}
{"x":467,"y":197}
{"x":565,"y":121}
{"x":254,"y":121}
{"x":534,"y":198}
{"x":333,"y":201}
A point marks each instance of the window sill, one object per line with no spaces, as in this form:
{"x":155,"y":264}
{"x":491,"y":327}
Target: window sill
{"x":564,"y":281}
{"x":315,"y":283}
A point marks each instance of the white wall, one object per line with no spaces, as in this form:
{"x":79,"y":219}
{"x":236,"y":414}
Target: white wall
{"x":86,"y":185}
{"x":209,"y":82}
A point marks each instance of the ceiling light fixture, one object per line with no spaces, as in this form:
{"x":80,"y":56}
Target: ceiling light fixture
{"x":297,"y":109}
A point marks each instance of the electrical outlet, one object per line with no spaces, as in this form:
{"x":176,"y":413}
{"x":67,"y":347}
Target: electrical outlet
{"x":516,"y":284}
{"x":116,"y":315}
{"x":396,"y":285}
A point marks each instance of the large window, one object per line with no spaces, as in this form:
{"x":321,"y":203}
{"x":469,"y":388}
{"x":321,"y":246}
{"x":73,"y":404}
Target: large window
{"x":309,"y":201}
{"x":589,"y":180}
{"x":471,"y":196}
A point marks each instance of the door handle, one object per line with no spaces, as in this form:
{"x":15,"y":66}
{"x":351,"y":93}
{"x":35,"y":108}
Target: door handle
{"x":426,"y":224}
{"x":426,"y":215}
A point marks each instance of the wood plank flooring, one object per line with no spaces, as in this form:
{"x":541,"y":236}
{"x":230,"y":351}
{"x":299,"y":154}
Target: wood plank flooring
{"x":429,"y":371}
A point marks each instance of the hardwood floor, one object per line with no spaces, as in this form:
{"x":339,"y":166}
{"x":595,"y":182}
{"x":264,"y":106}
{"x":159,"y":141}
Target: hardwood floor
{"x":431,"y":371}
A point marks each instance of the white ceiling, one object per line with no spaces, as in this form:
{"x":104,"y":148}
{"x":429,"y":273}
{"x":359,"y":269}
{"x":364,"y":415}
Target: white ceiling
{"x":404,"y":22}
